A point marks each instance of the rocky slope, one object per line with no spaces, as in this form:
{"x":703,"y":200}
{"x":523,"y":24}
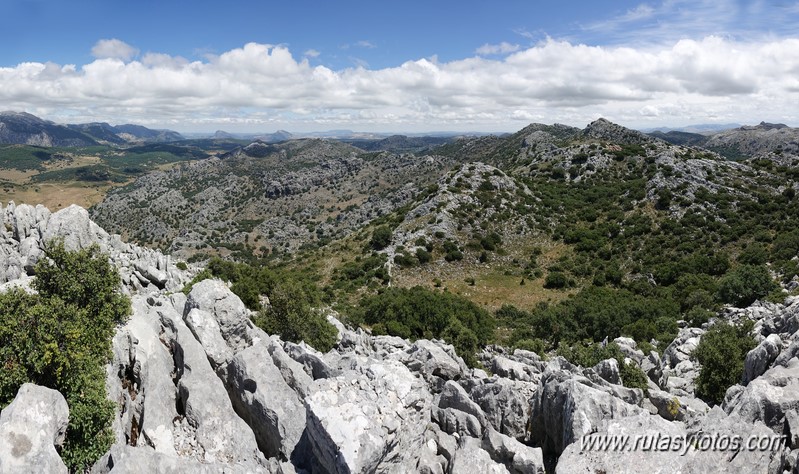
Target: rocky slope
{"x":199,"y":388}
{"x":265,"y":197}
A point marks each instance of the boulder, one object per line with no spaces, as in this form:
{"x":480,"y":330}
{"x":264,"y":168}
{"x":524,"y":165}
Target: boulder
{"x":219,"y":434}
{"x":506,"y":404}
{"x":651,"y":365}
{"x":608,"y":369}
{"x":78,"y":231}
{"x":434,"y":363}
{"x":207,"y":331}
{"x":791,"y":429}
{"x":769,"y":397}
{"x":759,"y":359}
{"x":214,"y":297}
{"x":470,"y":457}
{"x":682,"y":346}
{"x":310,"y":359}
{"x":31,"y":427}
{"x":146,"y":367}
{"x":517,"y":457}
{"x":263,"y":399}
{"x":567,"y":407}
{"x":629,"y":348}
{"x":374,"y":416}
{"x":292,"y":371}
{"x":514,"y":370}
{"x":122,"y":459}
{"x":590,"y":454}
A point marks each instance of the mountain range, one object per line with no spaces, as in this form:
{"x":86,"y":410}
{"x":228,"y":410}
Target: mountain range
{"x":25,"y":129}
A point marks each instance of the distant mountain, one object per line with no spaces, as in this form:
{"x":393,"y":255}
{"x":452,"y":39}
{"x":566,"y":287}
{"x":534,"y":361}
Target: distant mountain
{"x":765,"y":140}
{"x":223,"y":135}
{"x":681,"y":138}
{"x":399,"y":143}
{"x":25,"y":129}
{"x":20,"y":128}
{"x":102,"y":132}
{"x":703,"y":128}
{"x":279,"y":136}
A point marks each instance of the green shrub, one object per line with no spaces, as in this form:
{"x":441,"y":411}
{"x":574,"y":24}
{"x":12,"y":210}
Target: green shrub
{"x":423,"y":256}
{"x":428,"y":314}
{"x":381,"y":237}
{"x":290,"y":316}
{"x":556,"y":280}
{"x":61,"y":338}
{"x":721,"y":353}
{"x":745,"y":284}
{"x":588,"y":354}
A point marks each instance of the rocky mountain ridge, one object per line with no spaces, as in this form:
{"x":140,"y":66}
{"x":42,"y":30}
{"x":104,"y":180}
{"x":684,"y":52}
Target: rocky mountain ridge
{"x":22,"y":128}
{"x":275,"y":196}
{"x":199,"y":388}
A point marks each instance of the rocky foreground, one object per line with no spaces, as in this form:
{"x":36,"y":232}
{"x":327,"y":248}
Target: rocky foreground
{"x":199,"y":388}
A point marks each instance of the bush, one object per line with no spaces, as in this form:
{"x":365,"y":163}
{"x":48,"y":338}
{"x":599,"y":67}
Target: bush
{"x":421,"y":313}
{"x":589,"y":354}
{"x":721,"y":353}
{"x":381,"y":237}
{"x":556,"y":280}
{"x":747,"y":283}
{"x":61,"y":338}
{"x":290,"y":316}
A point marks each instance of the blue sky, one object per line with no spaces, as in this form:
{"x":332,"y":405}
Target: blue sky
{"x":406,"y":66}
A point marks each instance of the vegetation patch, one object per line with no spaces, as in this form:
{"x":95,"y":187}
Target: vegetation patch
{"x":61,"y":338}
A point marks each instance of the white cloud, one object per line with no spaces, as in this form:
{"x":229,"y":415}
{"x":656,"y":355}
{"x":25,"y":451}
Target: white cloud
{"x":113,"y":49}
{"x":259,"y":85}
{"x":501,"y":48}
{"x":312,"y":53}
{"x":365,"y":44}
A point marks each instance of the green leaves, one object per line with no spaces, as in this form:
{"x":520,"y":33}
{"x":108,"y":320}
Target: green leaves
{"x":721,"y":353}
{"x":61,"y":338}
{"x":421,"y":313}
{"x":745,"y":284}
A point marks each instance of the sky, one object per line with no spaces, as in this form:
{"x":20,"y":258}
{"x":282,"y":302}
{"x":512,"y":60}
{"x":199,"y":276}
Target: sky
{"x":411,"y":66}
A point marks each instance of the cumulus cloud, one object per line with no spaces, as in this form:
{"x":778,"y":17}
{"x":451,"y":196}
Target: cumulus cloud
{"x":555,"y":81}
{"x":113,"y":49}
{"x":312,"y":53}
{"x":501,"y":48}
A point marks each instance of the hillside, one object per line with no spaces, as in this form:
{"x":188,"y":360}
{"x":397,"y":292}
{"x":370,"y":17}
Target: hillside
{"x":264,"y":198}
{"x":20,"y":128}
{"x":192,"y":382}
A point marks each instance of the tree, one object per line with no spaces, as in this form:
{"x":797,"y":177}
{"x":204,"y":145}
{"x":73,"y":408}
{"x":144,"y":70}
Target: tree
{"x":747,"y":283}
{"x":381,"y":237}
{"x":290,"y":316}
{"x":61,"y":338}
{"x":720,"y":353}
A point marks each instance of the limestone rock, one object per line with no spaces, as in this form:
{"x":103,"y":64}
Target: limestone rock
{"x":214,"y":297}
{"x":374,"y":416}
{"x":518,"y":457}
{"x":506,"y":404}
{"x":759,"y":359}
{"x":568,"y":407}
{"x":219,"y":432}
{"x":608,"y":369}
{"x":123,"y":459}
{"x":265,"y":401}
{"x":470,"y":457}
{"x":435,"y":363}
{"x":769,"y":397}
{"x":31,"y":427}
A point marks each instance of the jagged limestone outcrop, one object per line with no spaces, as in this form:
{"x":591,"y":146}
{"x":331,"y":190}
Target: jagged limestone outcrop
{"x":199,"y":388}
